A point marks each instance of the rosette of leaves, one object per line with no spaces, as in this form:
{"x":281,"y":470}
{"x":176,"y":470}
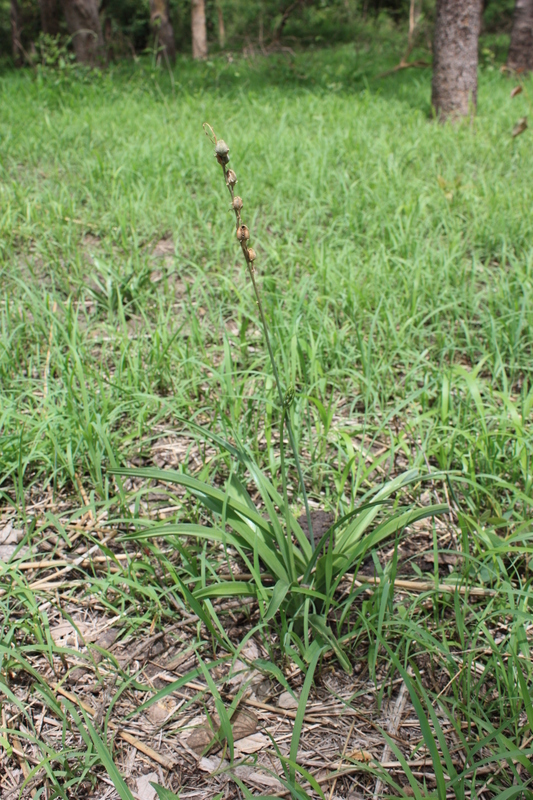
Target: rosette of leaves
{"x":294,"y":584}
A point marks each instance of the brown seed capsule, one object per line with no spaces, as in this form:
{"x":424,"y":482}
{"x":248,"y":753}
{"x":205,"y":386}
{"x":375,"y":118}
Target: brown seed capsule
{"x":231,"y":178}
{"x":221,"y":148}
{"x":237,"y":203}
{"x":251,"y":254}
{"x":222,"y":152}
{"x":243,"y":234}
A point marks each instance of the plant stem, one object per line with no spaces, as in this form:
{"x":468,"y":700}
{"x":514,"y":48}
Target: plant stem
{"x":285,"y":416}
{"x":282,"y":401}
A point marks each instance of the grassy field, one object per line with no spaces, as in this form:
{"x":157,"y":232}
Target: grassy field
{"x":395,"y":261}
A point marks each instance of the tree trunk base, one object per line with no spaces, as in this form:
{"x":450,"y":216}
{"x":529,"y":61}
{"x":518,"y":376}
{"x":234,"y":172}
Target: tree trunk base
{"x":199,"y":30}
{"x":455,"y":58}
{"x":520,"y":56}
{"x":83,"y":24}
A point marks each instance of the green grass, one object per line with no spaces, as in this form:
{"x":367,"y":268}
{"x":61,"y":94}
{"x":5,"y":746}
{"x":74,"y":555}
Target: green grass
{"x":395,"y":257}
{"x":396,"y":262}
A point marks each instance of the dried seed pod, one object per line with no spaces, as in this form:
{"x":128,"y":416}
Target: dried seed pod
{"x":243,"y":234}
{"x":252,"y":255}
{"x":237,"y":203}
{"x":231,"y":178}
{"x":222,"y":151}
{"x":221,"y":148}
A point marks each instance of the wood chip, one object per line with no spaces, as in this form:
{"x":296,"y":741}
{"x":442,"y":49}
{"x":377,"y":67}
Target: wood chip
{"x":253,"y":743}
{"x":247,"y":774}
{"x":10,"y":535}
{"x":243,"y":724}
{"x":65,"y":634}
{"x":287,"y":700}
{"x":144,"y":789}
{"x":158,"y":712}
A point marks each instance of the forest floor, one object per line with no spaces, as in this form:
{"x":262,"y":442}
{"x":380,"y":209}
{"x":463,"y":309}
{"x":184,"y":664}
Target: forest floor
{"x":395,"y":261}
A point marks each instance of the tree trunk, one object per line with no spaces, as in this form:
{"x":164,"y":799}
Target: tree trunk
{"x":199,"y":31}
{"x":455,"y":57}
{"x":286,"y":14}
{"x":221,"y":27}
{"x":16,"y":30}
{"x":49,"y":17}
{"x":520,"y":55}
{"x":83,"y":24}
{"x":162,"y":27}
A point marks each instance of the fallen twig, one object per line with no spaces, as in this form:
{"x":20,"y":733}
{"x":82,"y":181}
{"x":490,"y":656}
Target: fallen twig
{"x":128,"y":737}
{"x":427,"y":586}
{"x":403,"y":65}
{"x":393,"y":727}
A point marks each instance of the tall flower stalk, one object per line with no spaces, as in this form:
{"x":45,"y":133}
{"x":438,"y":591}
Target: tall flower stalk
{"x":243,"y":236}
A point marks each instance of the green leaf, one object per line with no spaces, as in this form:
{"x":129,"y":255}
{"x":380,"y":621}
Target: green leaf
{"x":225,"y":725}
{"x":278,"y":596}
{"x":236,"y":490}
{"x":425,"y":727}
{"x":524,"y":691}
{"x":324,"y":632}
{"x":164,"y":794}
{"x":101,"y":748}
{"x":362,"y":521}
{"x":300,"y":712}
{"x":396,"y":522}
{"x":273,"y":669}
{"x":246,"y":537}
{"x":175,"y":685}
{"x":415,"y":786}
{"x":226,"y":589}
{"x":208,"y":495}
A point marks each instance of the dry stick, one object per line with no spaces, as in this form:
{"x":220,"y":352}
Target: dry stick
{"x":404,"y":63}
{"x":342,"y":756}
{"x":394,"y":724}
{"x":21,"y":754}
{"x":411,"y":586}
{"x":400,"y":66}
{"x":428,"y":586}
{"x":84,"y":496}
{"x":243,"y":234}
{"x":524,"y":744}
{"x":144,"y":748}
{"x":22,"y":759}
{"x":286,"y":14}
{"x":66,"y":562}
{"x":313,"y":714}
{"x":58,"y":562}
{"x":343,"y":771}
{"x":77,"y":561}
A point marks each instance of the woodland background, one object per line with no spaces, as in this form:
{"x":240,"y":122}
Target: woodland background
{"x":234,"y":24}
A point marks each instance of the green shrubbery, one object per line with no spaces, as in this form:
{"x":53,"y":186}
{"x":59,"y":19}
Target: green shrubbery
{"x":126,"y":23}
